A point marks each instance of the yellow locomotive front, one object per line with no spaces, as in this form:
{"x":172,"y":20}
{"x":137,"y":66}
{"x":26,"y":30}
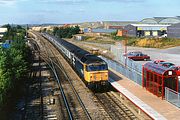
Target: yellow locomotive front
{"x":96,"y":73}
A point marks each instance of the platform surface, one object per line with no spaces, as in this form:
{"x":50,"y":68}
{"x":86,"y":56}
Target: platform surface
{"x":156,"y":107}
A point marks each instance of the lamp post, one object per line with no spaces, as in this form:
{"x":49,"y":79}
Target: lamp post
{"x":125,"y":46}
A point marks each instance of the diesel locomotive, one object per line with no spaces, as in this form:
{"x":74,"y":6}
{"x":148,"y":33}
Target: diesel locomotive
{"x":92,"y":69}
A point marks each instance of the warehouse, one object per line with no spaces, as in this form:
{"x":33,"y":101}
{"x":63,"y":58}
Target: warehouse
{"x":2,"y":31}
{"x":173,"y":31}
{"x":146,"y":30}
{"x":161,"y":20}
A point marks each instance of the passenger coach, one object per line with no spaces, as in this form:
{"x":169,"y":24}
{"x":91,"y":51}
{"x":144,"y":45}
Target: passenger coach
{"x":91,"y":68}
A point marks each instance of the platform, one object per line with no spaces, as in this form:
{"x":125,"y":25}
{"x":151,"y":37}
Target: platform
{"x":155,"y":107}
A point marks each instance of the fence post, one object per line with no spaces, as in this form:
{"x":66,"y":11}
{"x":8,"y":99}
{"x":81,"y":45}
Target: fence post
{"x":178,"y":99}
{"x":167,"y":94}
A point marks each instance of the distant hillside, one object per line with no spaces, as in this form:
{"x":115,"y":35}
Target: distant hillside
{"x":105,"y":24}
{"x":102,"y":24}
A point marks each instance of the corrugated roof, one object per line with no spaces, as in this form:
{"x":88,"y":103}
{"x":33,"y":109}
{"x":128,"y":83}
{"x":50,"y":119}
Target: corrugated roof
{"x":175,"y":25}
{"x":150,"y":25}
{"x":103,"y":30}
{"x":119,"y":23}
{"x":99,"y":30}
{"x":158,"y":20}
{"x":156,"y":68}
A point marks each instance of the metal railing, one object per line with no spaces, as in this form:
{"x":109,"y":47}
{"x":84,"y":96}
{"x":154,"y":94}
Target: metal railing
{"x":132,"y":70}
{"x":172,"y":96}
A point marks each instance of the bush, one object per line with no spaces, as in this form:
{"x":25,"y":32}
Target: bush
{"x":67,"y":32}
{"x":157,"y":42}
{"x":14,"y":64}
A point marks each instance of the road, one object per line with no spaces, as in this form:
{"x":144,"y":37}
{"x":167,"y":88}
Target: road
{"x":170,"y":54}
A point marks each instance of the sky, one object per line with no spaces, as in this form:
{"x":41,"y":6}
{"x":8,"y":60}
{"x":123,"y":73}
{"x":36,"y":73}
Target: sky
{"x":75,"y":11}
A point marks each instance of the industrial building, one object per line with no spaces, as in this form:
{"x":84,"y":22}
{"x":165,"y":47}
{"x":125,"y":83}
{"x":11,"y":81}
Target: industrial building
{"x":173,"y":31}
{"x":146,"y":30}
{"x":99,"y":30}
{"x":79,"y":37}
{"x":2,"y":31}
{"x":161,"y":20}
{"x":117,"y":24}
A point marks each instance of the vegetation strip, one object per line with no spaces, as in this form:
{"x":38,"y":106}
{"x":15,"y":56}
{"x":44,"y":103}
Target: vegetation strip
{"x":14,"y":64}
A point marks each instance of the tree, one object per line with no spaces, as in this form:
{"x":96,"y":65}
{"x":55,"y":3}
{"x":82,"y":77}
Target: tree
{"x":19,"y":27}
{"x":8,"y":26}
{"x":67,"y":32}
{"x":14,"y":62}
{"x":55,"y":30}
{"x":77,"y":29}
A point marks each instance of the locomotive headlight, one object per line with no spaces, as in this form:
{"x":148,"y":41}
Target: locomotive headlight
{"x":106,"y":74}
{"x":91,"y":75}
{"x":169,"y":72}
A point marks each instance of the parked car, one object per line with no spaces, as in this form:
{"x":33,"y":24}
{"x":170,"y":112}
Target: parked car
{"x":158,"y":61}
{"x":137,"y":56}
{"x":166,"y":64}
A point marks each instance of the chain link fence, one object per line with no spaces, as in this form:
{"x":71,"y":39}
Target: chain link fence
{"x":127,"y":67}
{"x":172,"y":97}
{"x":131,"y":70}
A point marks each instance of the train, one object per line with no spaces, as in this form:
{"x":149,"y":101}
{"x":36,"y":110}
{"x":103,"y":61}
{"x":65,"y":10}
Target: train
{"x":91,"y":68}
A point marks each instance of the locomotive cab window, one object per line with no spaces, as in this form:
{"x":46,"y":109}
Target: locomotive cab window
{"x":96,"y":67}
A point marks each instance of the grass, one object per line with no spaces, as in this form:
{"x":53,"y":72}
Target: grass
{"x":135,"y":41}
{"x":102,"y":40}
{"x":150,"y":42}
{"x":156,"y":42}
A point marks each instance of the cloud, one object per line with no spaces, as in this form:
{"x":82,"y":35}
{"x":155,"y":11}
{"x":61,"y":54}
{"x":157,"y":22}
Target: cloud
{"x":122,"y":1}
{"x":9,"y":2}
{"x":65,"y":2}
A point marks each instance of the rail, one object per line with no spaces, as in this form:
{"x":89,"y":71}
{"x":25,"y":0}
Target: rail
{"x":78,"y":97}
{"x":59,"y":84}
{"x":115,"y":108}
{"x":74,"y":90}
{"x":52,"y":66}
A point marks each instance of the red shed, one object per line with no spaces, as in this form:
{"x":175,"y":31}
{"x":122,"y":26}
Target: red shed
{"x":157,"y":77}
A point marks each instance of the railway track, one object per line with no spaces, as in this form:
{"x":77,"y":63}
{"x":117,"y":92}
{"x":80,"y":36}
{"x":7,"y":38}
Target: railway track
{"x":116,"y":109}
{"x":77,"y":108}
{"x":109,"y":106}
{"x":34,"y":93}
{"x":74,"y":106}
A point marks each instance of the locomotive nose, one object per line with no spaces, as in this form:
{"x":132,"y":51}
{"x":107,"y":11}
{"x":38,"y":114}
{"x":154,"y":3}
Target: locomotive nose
{"x":99,"y":76}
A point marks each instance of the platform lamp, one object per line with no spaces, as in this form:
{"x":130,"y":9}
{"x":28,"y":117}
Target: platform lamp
{"x":125,"y":45}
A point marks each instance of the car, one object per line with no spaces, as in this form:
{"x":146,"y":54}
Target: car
{"x":166,"y":64}
{"x":137,"y":56}
{"x":177,"y":69}
{"x":158,"y":61}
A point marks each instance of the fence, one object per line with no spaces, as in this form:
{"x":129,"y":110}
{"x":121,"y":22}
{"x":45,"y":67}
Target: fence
{"x":172,"y":97}
{"x":131,"y":70}
{"x":127,"y":67}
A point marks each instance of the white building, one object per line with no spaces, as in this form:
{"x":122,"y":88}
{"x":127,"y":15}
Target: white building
{"x":2,"y":31}
{"x":141,"y":30}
